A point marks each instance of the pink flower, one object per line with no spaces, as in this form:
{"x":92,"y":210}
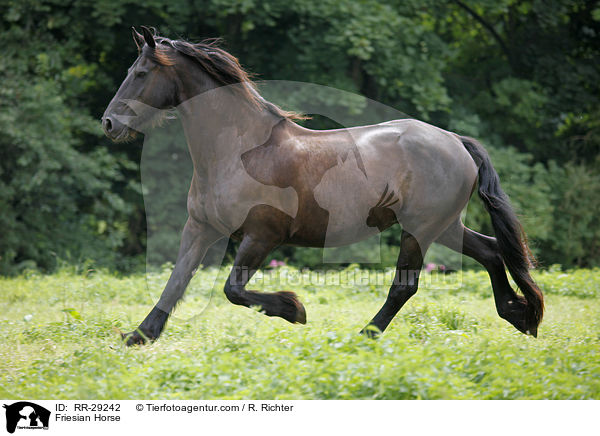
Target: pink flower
{"x":430,"y":267}
{"x":276,"y":263}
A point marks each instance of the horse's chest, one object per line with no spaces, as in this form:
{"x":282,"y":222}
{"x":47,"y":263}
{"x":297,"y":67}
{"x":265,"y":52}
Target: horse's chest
{"x":227,"y":206}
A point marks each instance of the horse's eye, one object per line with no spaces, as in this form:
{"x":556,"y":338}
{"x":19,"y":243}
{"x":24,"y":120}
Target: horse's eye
{"x":140,"y":74}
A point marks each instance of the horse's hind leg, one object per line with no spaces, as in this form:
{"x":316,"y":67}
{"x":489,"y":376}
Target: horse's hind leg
{"x":484,"y":249}
{"x":251,"y":253}
{"x":406,"y":282}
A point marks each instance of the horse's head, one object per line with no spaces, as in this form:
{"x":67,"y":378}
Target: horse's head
{"x":168,"y":73}
{"x":151,"y":83}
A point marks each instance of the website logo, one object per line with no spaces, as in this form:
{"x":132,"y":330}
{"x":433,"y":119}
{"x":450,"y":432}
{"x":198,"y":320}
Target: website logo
{"x":26,"y":415}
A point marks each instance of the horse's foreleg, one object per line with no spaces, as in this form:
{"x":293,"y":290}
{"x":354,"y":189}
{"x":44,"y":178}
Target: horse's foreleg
{"x":196,"y":238}
{"x":250,"y":255}
{"x":406,"y":282}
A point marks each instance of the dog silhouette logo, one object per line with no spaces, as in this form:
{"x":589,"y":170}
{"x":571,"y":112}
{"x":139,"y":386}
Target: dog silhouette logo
{"x":26,"y":415}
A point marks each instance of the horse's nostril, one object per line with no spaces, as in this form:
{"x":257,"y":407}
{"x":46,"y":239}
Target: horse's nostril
{"x":107,"y":124}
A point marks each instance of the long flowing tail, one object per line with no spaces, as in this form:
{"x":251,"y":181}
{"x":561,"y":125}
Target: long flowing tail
{"x":510,"y":236}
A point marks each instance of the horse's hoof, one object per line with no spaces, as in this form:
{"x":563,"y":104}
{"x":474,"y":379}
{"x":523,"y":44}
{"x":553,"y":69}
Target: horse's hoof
{"x":301,"y":314}
{"x":135,"y":338}
{"x":292,"y":310}
{"x":517,"y":313}
{"x":371,"y":332}
{"x":522,"y":327}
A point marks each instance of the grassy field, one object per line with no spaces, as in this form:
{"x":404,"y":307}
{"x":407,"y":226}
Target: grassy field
{"x":59,"y":341}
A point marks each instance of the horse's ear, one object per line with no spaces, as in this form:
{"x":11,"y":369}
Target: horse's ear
{"x":148,"y":37}
{"x":137,"y":38}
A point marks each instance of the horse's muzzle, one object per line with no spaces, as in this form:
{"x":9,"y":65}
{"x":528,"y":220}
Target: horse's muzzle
{"x":107,"y":125}
{"x":114,"y":129}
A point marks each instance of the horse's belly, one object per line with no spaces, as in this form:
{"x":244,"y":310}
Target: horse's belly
{"x":361,"y":198}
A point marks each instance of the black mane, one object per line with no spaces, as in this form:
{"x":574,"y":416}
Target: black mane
{"x":222,"y":67}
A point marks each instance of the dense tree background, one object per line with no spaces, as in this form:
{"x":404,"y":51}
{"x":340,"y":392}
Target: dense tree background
{"x":521,"y":76}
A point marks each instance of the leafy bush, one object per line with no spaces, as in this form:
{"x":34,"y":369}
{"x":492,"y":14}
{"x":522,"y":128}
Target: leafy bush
{"x":67,"y":193}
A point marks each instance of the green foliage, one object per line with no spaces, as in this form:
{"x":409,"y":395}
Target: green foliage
{"x":61,"y":340}
{"x":59,"y":186}
{"x":522,"y":77}
{"x":55,"y":199}
{"x":575,"y":201}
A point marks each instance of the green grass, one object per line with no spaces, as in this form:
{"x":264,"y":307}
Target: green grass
{"x":59,"y":342}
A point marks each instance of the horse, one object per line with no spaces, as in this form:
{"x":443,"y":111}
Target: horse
{"x":262,"y":179}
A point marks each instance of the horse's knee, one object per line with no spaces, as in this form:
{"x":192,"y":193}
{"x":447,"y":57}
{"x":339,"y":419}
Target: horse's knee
{"x":234,"y":293}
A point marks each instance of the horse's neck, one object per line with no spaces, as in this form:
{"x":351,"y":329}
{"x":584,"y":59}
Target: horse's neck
{"x":219,"y":128}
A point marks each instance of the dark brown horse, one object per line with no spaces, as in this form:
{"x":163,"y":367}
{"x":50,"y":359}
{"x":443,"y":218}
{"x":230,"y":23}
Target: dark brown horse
{"x":264,"y":180}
